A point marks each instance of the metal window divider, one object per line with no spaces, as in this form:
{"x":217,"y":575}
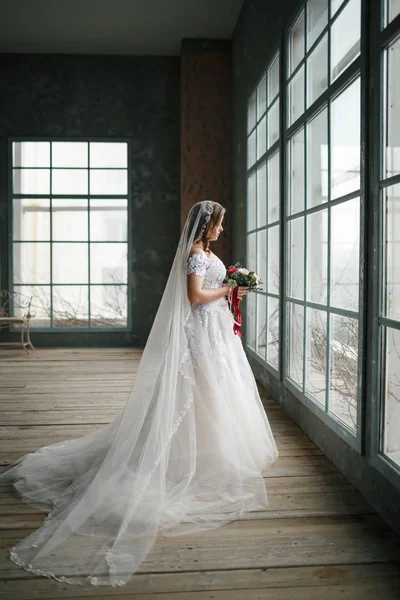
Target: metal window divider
{"x":89,"y":242}
{"x":51,"y":237}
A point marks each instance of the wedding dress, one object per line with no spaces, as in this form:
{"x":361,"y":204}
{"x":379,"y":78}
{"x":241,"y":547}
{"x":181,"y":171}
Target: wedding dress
{"x":186,"y":454}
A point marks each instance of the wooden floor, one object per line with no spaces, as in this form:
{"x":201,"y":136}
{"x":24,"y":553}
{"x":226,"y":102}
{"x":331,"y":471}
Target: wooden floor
{"x":318,"y":540}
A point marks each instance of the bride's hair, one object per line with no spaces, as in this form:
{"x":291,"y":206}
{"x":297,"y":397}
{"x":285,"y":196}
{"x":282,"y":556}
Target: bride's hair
{"x":217,"y":213}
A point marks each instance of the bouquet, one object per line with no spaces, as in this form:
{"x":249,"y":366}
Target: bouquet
{"x":236,"y":276}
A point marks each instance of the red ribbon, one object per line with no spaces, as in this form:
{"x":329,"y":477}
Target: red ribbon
{"x":234,"y":300}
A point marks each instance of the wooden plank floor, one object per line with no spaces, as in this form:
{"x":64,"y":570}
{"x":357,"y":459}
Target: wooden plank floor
{"x":318,"y":540}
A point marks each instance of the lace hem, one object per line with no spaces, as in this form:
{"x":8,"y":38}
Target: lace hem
{"x":93,"y":580}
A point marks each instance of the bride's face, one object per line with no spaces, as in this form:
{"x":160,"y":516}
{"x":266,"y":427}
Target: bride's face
{"x":217,"y":230}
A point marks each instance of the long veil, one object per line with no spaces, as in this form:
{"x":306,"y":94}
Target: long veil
{"x":109,"y":490}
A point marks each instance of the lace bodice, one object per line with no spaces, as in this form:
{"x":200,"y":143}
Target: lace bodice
{"x":208,"y":315}
{"x":211,"y":268}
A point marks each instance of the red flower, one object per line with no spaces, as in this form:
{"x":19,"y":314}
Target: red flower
{"x":232,"y":270}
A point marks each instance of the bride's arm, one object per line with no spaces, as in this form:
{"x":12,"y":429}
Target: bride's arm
{"x":197,"y":295}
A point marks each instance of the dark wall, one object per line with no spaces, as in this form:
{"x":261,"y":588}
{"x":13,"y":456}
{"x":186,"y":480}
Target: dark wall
{"x":256,"y":39}
{"x":106,"y":96}
{"x":258,"y":35}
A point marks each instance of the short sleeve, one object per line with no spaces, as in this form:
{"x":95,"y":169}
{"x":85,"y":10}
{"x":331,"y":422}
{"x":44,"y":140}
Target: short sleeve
{"x":197,"y":264}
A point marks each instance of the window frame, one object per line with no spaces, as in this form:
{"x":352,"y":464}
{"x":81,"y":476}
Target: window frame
{"x":270,"y":152}
{"x":64,"y":330}
{"x":383,"y":37}
{"x":355,"y":69}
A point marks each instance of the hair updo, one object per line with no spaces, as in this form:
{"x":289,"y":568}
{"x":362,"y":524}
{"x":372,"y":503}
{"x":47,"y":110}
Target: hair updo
{"x":217,"y":214}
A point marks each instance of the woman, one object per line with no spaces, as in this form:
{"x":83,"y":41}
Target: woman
{"x":186,"y":454}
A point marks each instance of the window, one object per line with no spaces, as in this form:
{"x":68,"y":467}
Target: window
{"x":323,"y":209}
{"x":389,"y":313}
{"x":391,"y":10}
{"x":263,"y":215}
{"x":70,"y":234}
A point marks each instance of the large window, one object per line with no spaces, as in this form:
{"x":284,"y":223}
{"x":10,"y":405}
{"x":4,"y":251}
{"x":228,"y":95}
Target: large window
{"x":263,"y":215}
{"x":69,"y":232}
{"x":389,"y":312}
{"x":323,"y":208}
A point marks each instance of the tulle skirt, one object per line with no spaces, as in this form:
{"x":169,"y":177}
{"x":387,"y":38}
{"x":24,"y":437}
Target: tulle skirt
{"x":206,"y":471}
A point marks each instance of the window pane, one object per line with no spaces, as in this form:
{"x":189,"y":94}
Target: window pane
{"x":251,"y":320}
{"x":393,"y":9}
{"x":317,"y":160}
{"x":261,"y":137}
{"x":251,"y":252}
{"x":392,"y":113}
{"x":296,"y":173}
{"x":273,"y":123}
{"x":273,"y":80}
{"x":261,"y":325}
{"x":70,"y":220}
{"x":108,"y":220}
{"x":31,"y":181}
{"x":296,"y":96}
{"x":345,"y":38}
{"x":317,"y":19}
{"x":31,"y":154}
{"x":70,"y":263}
{"x":31,"y":219}
{"x":31,"y":262}
{"x":109,"y":182}
{"x":393,"y":252}
{"x":69,"y":154}
{"x":317,"y":71}
{"x":261,"y":266}
{"x":261,"y":195}
{"x":391,"y":437}
{"x":296,"y":43}
{"x":296,"y":253}
{"x":316,"y":344}
{"x":69,"y":181}
{"x":251,"y":150}
{"x":273,"y":260}
{"x":251,"y":201}
{"x":70,"y":306}
{"x":261,"y":97}
{"x":296,"y":343}
{"x":109,"y":154}
{"x":273,"y":332}
{"x":40,"y":308}
{"x":335,"y":5}
{"x":108,"y":263}
{"x":252,"y":112}
{"x":273,"y":188}
{"x":317,"y":256}
{"x":345,"y":254}
{"x":343,"y":382}
{"x":345,"y":139}
{"x":108,"y":306}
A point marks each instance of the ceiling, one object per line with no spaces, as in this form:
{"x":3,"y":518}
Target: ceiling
{"x":146,"y":27}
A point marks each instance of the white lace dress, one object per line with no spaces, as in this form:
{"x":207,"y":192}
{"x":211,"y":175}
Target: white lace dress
{"x":234,"y":442}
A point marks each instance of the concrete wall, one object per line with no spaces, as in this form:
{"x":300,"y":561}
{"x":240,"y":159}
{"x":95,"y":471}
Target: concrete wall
{"x":105,"y":96}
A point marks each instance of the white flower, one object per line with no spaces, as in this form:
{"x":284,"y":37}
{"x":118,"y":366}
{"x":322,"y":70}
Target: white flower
{"x":243,"y":271}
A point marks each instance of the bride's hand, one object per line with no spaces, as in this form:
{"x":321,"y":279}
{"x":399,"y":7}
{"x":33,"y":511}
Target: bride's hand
{"x":242,"y":291}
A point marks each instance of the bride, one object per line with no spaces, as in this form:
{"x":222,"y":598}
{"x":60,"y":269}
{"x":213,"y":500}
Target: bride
{"x":186,"y":454}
